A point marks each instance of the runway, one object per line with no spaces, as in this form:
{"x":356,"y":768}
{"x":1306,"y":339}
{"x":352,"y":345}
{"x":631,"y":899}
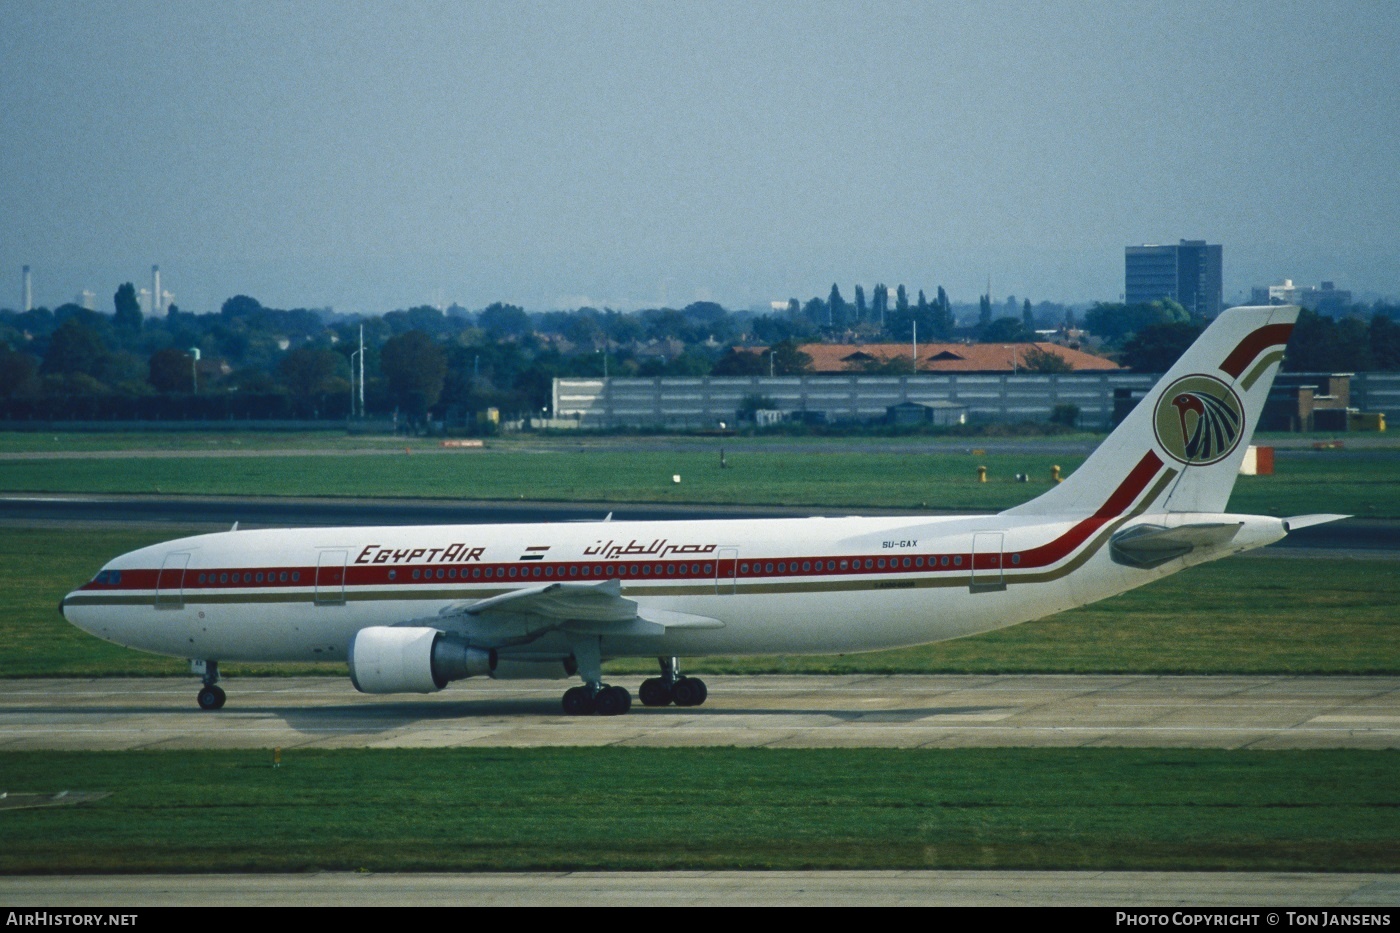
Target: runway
{"x":1268,"y":712}
{"x":1344,"y":895}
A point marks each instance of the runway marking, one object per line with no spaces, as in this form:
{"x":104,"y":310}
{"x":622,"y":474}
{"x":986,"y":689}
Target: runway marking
{"x":1382,"y":719}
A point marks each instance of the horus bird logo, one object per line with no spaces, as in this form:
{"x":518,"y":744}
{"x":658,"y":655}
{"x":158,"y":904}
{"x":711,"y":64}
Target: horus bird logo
{"x":1199,"y":420}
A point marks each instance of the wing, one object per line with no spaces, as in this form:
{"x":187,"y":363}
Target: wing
{"x":578,"y":608}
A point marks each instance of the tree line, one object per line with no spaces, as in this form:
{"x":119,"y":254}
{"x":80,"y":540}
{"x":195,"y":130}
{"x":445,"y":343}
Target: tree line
{"x":249,"y":361}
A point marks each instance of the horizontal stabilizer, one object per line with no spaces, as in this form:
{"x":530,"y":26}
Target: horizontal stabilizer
{"x":1148,"y":546}
{"x":1307,"y":521}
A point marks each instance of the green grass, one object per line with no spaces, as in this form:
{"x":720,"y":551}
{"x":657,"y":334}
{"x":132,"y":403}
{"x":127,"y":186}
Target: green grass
{"x":1240,"y":615}
{"x":68,"y":442}
{"x":1360,"y":483}
{"x":636,"y":808}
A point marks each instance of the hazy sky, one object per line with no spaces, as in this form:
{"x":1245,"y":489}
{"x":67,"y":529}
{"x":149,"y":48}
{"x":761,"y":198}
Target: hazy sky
{"x":371,"y":156}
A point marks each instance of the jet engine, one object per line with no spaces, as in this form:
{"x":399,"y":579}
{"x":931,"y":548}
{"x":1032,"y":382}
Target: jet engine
{"x":385,"y":659}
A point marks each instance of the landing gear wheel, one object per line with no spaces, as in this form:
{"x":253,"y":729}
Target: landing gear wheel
{"x":578,"y":701}
{"x":654,"y":692}
{"x":212,"y":697}
{"x":613,"y":701}
{"x":689,"y":691}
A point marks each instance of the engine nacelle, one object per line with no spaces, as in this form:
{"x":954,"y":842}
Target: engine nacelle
{"x":385,"y":659}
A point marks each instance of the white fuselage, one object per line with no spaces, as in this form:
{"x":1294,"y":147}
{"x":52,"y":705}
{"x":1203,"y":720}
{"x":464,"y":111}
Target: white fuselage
{"x":815,"y":585}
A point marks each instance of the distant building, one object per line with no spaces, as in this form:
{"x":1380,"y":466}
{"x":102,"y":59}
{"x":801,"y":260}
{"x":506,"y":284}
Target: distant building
{"x":1190,"y":273}
{"x":1327,"y":298}
{"x":945,"y":357}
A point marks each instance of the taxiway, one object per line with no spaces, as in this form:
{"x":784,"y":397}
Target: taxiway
{"x":938,"y":711}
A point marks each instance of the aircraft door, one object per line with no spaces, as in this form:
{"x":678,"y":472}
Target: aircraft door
{"x":987,"y":571}
{"x":170,"y":582}
{"x":727,"y":571}
{"x":330,"y":578}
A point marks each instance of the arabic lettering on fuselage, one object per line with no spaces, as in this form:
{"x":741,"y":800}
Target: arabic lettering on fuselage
{"x":660,"y":547}
{"x":460,"y":553}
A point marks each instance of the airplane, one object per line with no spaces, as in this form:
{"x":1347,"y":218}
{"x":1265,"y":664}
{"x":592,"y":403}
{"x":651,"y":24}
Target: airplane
{"x":414,"y":608}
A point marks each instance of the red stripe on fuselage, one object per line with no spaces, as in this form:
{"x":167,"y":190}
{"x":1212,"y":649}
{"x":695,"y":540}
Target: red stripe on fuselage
{"x":1250,"y":347}
{"x":494,"y":574}
{"x":1122,"y":499}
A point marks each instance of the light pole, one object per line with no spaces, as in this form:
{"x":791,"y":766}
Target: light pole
{"x":772,"y":361}
{"x":359,"y":353}
{"x":194,"y":370}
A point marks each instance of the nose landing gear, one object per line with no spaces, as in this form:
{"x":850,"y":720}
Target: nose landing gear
{"x":211,"y":695}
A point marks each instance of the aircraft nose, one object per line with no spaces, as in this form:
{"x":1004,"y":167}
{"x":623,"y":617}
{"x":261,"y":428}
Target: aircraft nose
{"x":63,"y":605}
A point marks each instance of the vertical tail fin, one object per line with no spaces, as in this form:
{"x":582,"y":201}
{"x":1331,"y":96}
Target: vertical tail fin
{"x":1180,"y":449}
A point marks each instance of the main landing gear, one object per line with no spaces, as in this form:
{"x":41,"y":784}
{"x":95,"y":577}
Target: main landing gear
{"x":594,"y":696}
{"x":605,"y":701}
{"x":211,"y":695}
{"x":671,"y":687}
